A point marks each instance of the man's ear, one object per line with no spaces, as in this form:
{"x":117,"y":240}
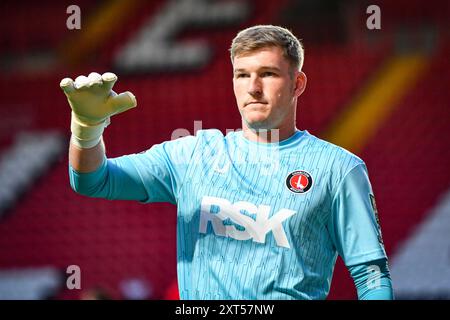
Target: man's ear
{"x":300,"y":83}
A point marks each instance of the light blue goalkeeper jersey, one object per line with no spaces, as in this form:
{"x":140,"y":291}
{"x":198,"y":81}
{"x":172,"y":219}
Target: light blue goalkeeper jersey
{"x":254,"y":220}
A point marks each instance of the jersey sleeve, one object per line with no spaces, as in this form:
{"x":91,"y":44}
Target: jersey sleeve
{"x":354,"y":227}
{"x":372,"y":280}
{"x":154,"y":175}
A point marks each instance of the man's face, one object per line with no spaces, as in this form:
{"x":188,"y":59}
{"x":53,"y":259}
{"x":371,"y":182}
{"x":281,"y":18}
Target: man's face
{"x":266,"y":88}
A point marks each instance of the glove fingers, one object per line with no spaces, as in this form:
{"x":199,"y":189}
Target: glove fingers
{"x":67,"y":85}
{"x":81,"y":82}
{"x":123,"y":102}
{"x":109,"y":79}
{"x":95,"y":79}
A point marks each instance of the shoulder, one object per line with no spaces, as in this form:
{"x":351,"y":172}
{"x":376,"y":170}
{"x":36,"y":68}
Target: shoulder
{"x":335,"y":162}
{"x":193,"y":143}
{"x":338,"y":157}
{"x":209,"y":134}
{"x":209,"y":138}
{"x":200,"y":136}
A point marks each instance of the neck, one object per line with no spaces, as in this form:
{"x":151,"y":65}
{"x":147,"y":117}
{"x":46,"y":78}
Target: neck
{"x":268,"y":135}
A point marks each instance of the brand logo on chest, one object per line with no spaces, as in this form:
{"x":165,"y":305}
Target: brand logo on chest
{"x":216,"y":210}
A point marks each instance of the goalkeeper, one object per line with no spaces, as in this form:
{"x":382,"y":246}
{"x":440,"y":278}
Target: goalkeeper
{"x":262,"y":212}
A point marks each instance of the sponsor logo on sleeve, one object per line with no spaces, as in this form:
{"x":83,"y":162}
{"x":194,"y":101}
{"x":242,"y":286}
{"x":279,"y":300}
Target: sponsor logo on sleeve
{"x":375,"y":211}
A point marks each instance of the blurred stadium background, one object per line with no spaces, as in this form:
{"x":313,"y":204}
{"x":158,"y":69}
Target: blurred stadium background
{"x":383,"y":94}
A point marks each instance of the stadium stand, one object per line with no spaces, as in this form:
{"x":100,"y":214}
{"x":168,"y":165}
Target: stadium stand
{"x":30,"y":157}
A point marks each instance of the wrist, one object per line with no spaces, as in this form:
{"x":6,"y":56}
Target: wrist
{"x":84,"y":135}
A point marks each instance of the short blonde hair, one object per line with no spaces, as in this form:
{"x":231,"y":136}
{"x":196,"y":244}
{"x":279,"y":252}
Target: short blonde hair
{"x":261,"y":36}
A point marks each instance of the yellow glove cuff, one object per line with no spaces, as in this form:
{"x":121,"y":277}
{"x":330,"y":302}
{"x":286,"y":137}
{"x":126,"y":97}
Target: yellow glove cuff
{"x":86,"y":136}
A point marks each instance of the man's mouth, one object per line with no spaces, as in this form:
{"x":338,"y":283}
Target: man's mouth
{"x":255,"y":103}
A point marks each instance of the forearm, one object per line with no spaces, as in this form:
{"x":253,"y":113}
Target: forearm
{"x":86,"y":160}
{"x":113,"y":179}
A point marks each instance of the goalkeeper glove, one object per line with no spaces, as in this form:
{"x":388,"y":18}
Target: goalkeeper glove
{"x":93,"y":102}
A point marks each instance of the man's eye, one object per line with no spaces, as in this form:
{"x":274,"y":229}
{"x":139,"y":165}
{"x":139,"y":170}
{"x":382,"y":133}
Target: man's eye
{"x":268,"y":74}
{"x":241,"y":75}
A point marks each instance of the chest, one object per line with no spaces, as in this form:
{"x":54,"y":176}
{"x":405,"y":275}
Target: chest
{"x":248,"y":197}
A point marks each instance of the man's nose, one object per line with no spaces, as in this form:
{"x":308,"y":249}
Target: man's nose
{"x":254,"y":86}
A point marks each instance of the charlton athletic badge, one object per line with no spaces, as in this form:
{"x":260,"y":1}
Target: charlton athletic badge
{"x":299,"y":181}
